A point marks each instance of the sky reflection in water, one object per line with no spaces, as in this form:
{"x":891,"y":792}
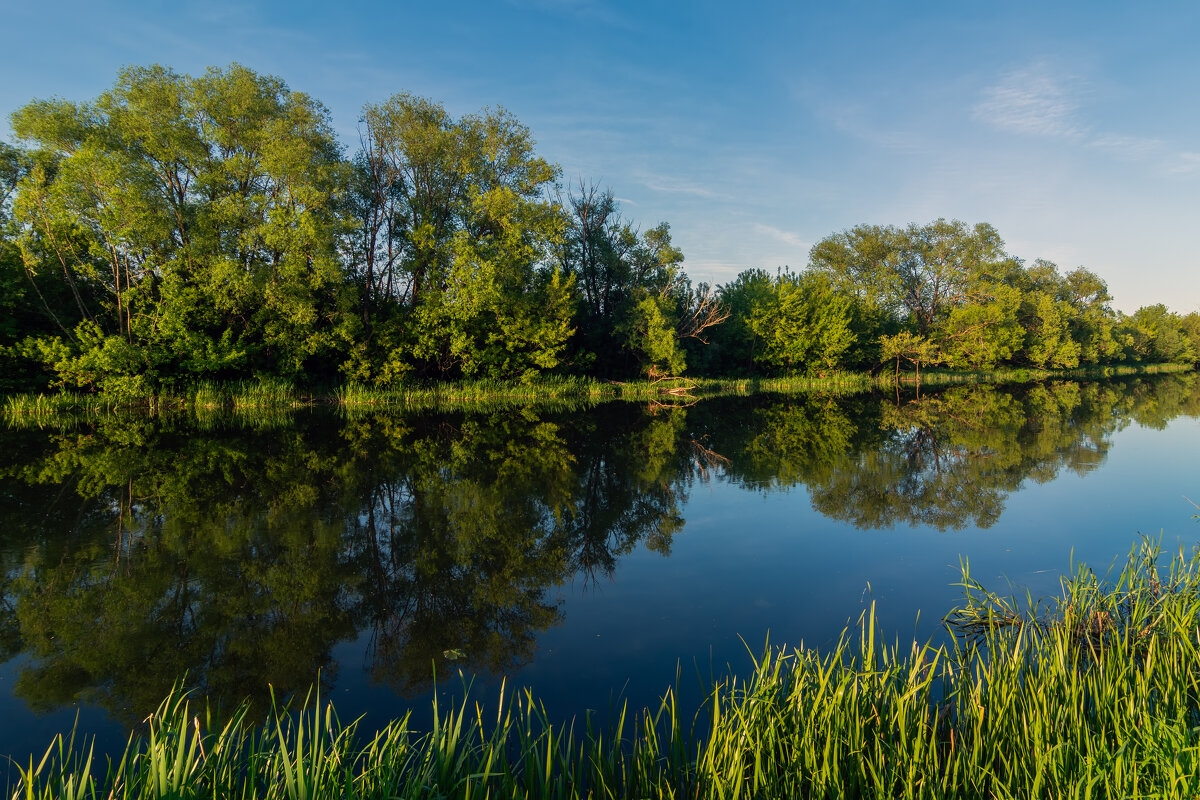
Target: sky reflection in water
{"x":588,"y":553}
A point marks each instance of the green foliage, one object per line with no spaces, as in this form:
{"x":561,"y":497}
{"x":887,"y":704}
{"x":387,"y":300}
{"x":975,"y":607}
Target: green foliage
{"x":864,"y":262}
{"x":1155,"y":334}
{"x":1091,"y":694}
{"x":181,"y":229}
{"x":455,"y":266}
{"x":650,"y":336}
{"x":955,"y":285}
{"x":734,"y":342}
{"x":96,"y":361}
{"x":633,"y":295}
{"x":1048,"y":341}
{"x":192,"y":218}
{"x":21,"y":317}
{"x":803,"y":324}
{"x":1189,"y":326}
{"x":921,"y":272}
{"x":916,"y":350}
{"x":984,"y":333}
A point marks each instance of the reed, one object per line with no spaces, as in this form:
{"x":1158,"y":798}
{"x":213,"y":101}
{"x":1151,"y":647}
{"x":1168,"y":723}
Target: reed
{"x":1094,"y":694}
{"x":941,"y":377}
{"x":208,"y":397}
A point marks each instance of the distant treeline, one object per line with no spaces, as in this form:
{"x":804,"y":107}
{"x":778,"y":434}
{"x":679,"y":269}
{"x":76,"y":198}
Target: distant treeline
{"x":180,"y":229}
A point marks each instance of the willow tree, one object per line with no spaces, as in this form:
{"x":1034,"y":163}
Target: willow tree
{"x":192,"y":220}
{"x":1092,"y":319}
{"x":456,"y":238}
{"x":25,"y":311}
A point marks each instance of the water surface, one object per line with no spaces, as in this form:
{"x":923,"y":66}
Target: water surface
{"x":596,"y":555}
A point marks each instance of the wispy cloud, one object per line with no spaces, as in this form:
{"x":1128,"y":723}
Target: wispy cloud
{"x":787,"y":237}
{"x":1032,"y":101}
{"x":1143,"y":149}
{"x":1184,"y":162}
{"x":861,"y":120}
{"x":670,"y":185}
{"x":1038,"y":101}
{"x":1128,"y":147}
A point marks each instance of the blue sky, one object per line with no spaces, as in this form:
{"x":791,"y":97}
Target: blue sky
{"x":755,"y":132}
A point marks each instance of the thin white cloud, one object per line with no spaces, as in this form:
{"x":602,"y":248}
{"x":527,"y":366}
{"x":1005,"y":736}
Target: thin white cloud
{"x":787,"y":237}
{"x":1032,"y":101}
{"x":1128,"y":147}
{"x":1036,"y":101}
{"x":670,"y":185}
{"x":1184,"y":163}
{"x":1156,"y":152}
{"x":863,"y":125}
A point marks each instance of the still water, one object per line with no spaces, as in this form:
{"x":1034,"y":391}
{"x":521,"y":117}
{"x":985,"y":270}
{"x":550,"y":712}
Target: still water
{"x":597,"y":555}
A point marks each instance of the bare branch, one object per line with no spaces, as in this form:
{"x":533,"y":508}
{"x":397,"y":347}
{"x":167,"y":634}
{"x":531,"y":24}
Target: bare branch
{"x":702,"y":311}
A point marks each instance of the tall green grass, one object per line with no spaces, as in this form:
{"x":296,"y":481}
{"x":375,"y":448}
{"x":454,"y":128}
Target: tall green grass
{"x":208,"y":398}
{"x":1094,"y":694}
{"x":940,"y":377}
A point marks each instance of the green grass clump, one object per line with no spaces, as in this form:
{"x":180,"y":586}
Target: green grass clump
{"x":943,"y":377}
{"x":1095,"y":694}
{"x":208,"y":398}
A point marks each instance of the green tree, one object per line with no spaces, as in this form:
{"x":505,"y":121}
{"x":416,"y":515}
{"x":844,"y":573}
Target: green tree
{"x":735,"y":343}
{"x":23,"y":315}
{"x":636,"y":303}
{"x":864,"y":265}
{"x":982,"y":333}
{"x":1155,"y":334}
{"x":647,"y":332}
{"x":945,"y":265}
{"x":803,"y":325}
{"x":193,"y":220}
{"x":455,"y":246}
{"x":1189,"y":325}
{"x":1048,"y":341}
{"x":915,"y":349}
{"x":1092,"y":321}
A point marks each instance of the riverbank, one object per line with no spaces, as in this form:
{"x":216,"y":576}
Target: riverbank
{"x":1095,"y":693}
{"x":278,"y":395}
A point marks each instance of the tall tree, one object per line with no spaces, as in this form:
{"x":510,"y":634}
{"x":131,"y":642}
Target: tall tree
{"x":457,"y":233}
{"x":943,"y":265}
{"x":1092,"y":322}
{"x":193,"y":220}
{"x":636,"y":304}
{"x":804,"y":324}
{"x":735,"y":343}
{"x":1156,"y":334}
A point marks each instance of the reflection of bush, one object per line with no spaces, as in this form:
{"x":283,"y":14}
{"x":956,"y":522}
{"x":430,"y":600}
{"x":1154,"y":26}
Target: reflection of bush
{"x":947,"y":459}
{"x":240,"y":557}
{"x":951,"y":459}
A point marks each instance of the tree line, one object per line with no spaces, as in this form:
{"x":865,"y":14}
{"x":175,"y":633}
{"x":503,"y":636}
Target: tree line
{"x":182,"y":228}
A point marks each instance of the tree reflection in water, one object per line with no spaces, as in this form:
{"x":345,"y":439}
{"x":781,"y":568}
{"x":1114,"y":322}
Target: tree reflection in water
{"x":137,"y":550}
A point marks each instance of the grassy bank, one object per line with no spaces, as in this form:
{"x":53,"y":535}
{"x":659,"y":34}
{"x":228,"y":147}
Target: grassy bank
{"x":1093,"y":694}
{"x":278,"y":395}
